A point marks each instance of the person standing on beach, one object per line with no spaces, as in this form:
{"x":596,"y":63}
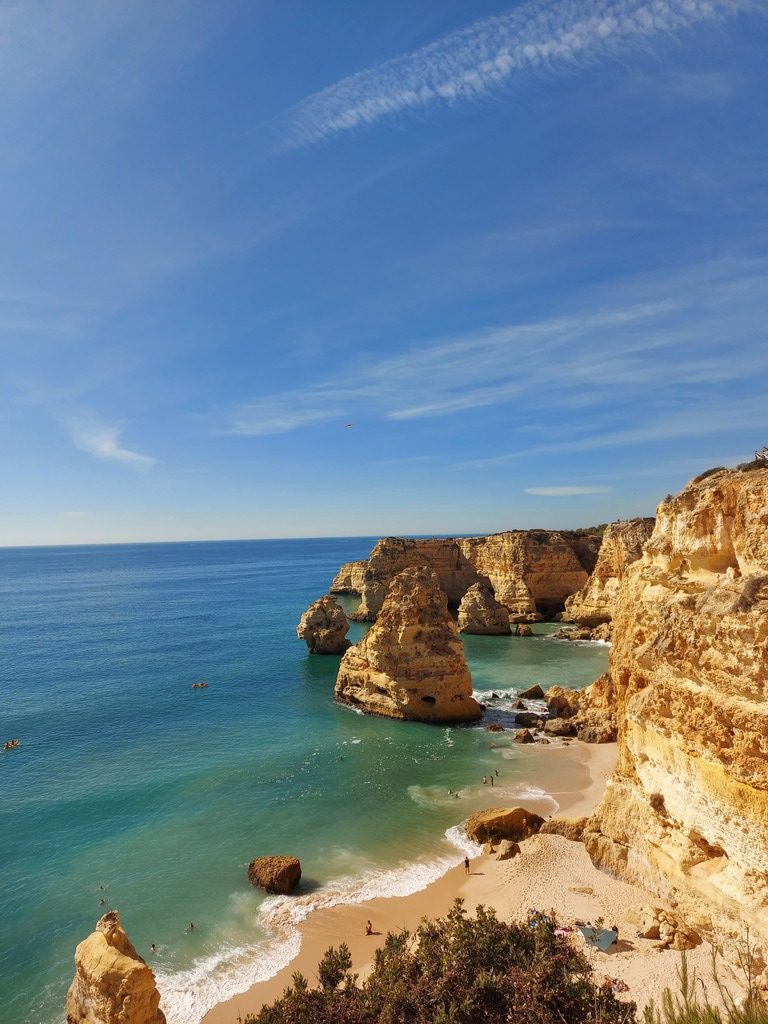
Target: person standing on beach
{"x":466,"y":865}
{"x":485,"y":781}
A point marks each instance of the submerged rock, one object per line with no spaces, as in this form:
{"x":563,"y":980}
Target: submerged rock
{"x":480,"y":612}
{"x":112,"y":984}
{"x":275,"y":874}
{"x":411,"y":663}
{"x":324,"y":627}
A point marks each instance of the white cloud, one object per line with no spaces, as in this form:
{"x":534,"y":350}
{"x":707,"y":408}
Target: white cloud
{"x":103,"y":442}
{"x":675,"y":335}
{"x":540,"y":35}
{"x":566,"y":492}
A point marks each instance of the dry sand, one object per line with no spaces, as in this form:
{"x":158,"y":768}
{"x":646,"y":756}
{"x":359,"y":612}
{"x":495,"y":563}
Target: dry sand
{"x":551,"y":872}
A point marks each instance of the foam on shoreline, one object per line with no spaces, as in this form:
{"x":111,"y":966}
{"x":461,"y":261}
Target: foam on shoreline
{"x":186,"y":996}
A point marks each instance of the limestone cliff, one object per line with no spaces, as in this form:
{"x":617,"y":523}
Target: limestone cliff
{"x":531,"y":572}
{"x":690,"y":670}
{"x":480,"y":612}
{"x":622,"y":545}
{"x":348,"y":580}
{"x":324,"y":627}
{"x":411,"y":663}
{"x":112,"y":984}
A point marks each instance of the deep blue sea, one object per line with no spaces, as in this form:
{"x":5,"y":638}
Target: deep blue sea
{"x":132,"y":788}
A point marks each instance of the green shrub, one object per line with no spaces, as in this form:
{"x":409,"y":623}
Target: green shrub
{"x":456,"y":970}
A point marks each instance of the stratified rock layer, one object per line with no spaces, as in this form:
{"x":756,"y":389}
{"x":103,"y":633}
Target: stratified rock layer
{"x":112,"y":984}
{"x":622,"y":545}
{"x":349,"y":578}
{"x":480,"y":612}
{"x":411,"y":663}
{"x":531,"y":572}
{"x":686,"y":812}
{"x":324,"y":627}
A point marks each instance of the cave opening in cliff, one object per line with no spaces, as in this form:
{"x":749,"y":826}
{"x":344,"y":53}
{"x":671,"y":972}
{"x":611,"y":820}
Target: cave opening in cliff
{"x":549,"y":607}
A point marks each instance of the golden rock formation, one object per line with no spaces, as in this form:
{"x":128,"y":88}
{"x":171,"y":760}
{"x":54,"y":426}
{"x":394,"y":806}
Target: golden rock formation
{"x":411,"y":663}
{"x":480,"y":612}
{"x":349,"y":578}
{"x":112,"y":984}
{"x":531,"y":572}
{"x":324,"y":627}
{"x":686,"y":811}
{"x":513,"y":823}
{"x":622,"y":545}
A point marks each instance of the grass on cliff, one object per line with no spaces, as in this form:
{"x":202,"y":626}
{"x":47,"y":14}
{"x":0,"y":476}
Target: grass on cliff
{"x":456,"y":970}
{"x":684,"y":1007}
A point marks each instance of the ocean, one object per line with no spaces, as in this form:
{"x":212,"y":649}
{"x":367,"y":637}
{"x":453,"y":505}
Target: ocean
{"x":131,"y":788}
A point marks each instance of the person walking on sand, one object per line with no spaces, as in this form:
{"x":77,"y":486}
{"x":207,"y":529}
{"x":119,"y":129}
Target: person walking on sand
{"x":466,"y":865}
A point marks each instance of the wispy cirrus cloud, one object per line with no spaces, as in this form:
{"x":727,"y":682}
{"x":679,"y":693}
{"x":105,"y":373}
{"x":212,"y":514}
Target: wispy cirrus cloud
{"x":541,"y":35}
{"x":668,"y":339}
{"x":565,"y":492}
{"x":103,"y":442}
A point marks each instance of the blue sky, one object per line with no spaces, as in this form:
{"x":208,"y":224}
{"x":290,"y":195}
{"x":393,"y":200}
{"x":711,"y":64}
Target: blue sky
{"x":521,"y":249}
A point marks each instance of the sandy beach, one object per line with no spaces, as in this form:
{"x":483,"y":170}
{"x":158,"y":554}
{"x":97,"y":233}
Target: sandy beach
{"x":551,"y":872}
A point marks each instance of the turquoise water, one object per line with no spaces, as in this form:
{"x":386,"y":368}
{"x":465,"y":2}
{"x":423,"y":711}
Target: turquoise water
{"x":129,"y":779}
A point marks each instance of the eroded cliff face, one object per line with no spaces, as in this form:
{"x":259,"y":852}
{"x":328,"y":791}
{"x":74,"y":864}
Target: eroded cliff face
{"x":411,"y":663}
{"x":622,"y":545}
{"x":690,"y":670}
{"x":531,"y":572}
{"x":349,"y":578}
{"x":112,"y":984}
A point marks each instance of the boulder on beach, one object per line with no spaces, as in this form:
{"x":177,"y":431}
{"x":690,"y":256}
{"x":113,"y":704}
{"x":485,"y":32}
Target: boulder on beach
{"x":506,"y":850}
{"x":513,"y":823}
{"x":494,"y":727}
{"x":524,"y":736}
{"x":528,"y":719}
{"x":533,"y":693}
{"x":568,"y":828}
{"x":112,"y":984}
{"x":276,"y":874}
{"x":324,"y":627}
{"x":560,"y":727}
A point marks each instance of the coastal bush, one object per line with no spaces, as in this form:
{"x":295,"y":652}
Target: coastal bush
{"x":456,"y":970}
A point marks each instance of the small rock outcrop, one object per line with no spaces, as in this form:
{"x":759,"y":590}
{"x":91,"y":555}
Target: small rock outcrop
{"x":410,"y":664}
{"x":275,"y":874}
{"x":622,"y":545}
{"x":324,"y":627}
{"x":513,"y":823}
{"x":664,"y":926}
{"x":532,"y":693}
{"x":588,"y":714}
{"x":480,"y":612}
{"x":524,"y":736}
{"x":507,"y":850}
{"x":112,"y":984}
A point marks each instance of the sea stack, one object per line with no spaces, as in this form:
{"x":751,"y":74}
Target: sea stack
{"x":480,"y":612}
{"x":112,"y":984}
{"x":689,"y":667}
{"x":410,"y":665}
{"x":324,"y":627}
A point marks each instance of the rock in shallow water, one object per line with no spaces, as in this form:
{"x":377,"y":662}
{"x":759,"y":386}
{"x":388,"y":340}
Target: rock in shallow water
{"x":324,"y":627}
{"x":275,"y":874}
{"x":481,"y":613}
{"x":411,"y":663}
